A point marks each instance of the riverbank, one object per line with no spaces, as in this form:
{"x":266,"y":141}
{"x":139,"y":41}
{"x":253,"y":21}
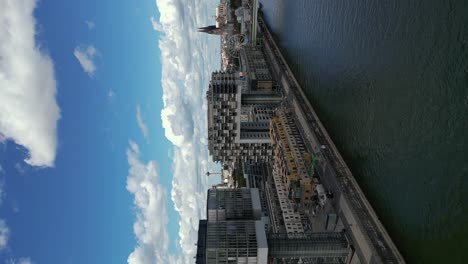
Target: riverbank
{"x":369,"y":237}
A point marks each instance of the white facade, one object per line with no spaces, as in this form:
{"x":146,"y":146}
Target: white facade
{"x":291,"y":218}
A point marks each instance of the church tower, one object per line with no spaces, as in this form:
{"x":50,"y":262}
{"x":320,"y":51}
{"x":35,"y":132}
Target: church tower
{"x":211,"y":30}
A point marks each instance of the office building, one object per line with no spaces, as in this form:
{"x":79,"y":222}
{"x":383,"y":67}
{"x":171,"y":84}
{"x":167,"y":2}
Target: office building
{"x":254,"y":65}
{"x":233,"y":204}
{"x":240,"y":241}
{"x":232,"y":233}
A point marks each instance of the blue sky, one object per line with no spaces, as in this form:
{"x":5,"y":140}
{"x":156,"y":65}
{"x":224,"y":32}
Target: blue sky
{"x":103,"y":130}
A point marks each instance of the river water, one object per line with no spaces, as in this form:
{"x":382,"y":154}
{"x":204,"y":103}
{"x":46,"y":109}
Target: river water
{"x":389,"y":80}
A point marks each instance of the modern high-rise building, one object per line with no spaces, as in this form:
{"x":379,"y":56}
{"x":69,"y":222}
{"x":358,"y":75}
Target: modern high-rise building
{"x":233,"y":232}
{"x":254,"y":64}
{"x":238,"y":129}
{"x":233,"y":204}
{"x":200,"y":258}
{"x":231,"y":235}
{"x":239,"y":241}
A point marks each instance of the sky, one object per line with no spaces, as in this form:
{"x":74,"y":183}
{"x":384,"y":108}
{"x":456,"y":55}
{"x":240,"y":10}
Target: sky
{"x":103,"y":148}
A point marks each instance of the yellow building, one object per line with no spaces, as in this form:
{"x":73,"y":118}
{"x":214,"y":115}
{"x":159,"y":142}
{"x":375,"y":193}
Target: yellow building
{"x":290,"y":158}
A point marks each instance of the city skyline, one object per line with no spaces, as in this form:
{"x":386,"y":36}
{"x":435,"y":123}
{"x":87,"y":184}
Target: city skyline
{"x":232,"y":131}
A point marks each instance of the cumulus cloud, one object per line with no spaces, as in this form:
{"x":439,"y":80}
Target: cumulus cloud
{"x":91,"y":25}
{"x":86,"y":56}
{"x":187,"y":58}
{"x":4,"y":234}
{"x":150,"y":227}
{"x":28,"y":106}
{"x":156,"y":25}
{"x":141,"y":123}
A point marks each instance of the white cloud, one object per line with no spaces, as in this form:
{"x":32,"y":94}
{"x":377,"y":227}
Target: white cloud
{"x":2,"y":184}
{"x":156,"y":25}
{"x":86,"y":56}
{"x":4,"y":234}
{"x":150,"y":227}
{"x":110,"y":95}
{"x":91,"y":25}
{"x":21,"y":168}
{"x":15,"y":207}
{"x":28,"y":106}
{"x":187,"y":58}
{"x":141,"y":123}
{"x":24,"y":261}
{"x":20,"y":261}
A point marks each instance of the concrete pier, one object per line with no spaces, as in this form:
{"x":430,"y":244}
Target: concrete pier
{"x":369,"y":238}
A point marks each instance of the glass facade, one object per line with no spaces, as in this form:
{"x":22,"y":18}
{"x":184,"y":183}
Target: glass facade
{"x":229,"y":204}
{"x":231,"y":242}
{"x":324,"y":247}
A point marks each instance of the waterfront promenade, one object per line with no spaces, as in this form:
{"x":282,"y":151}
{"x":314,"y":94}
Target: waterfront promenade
{"x":368,"y":236}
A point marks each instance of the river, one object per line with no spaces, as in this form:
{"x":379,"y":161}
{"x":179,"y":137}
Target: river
{"x":389,"y":80}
